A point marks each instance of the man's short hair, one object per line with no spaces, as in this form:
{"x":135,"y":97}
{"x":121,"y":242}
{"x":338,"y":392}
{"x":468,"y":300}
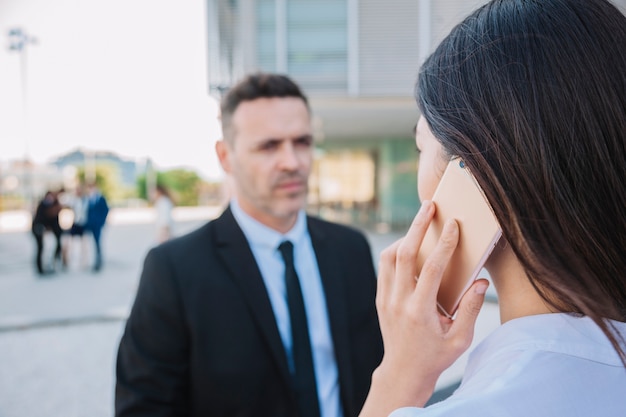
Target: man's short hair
{"x":252,"y":87}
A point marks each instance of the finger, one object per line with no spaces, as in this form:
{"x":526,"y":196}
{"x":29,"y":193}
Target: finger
{"x":468,"y":311}
{"x":386,"y":271}
{"x":436,"y":263}
{"x":406,"y":255}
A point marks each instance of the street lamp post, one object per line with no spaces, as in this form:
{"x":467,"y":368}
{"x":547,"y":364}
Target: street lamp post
{"x":18,"y":42}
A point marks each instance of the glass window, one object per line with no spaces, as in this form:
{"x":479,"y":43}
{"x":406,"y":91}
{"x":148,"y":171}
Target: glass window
{"x":266,"y":35}
{"x":316,"y":42}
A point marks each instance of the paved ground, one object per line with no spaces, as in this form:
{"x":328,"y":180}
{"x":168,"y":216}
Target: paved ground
{"x":59,"y":334}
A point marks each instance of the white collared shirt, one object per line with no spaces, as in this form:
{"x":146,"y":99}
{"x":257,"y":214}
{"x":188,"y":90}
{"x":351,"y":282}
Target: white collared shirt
{"x":264,"y":244}
{"x":539,"y":366}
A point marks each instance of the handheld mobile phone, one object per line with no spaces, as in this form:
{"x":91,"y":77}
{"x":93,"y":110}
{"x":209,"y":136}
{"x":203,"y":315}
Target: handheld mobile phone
{"x":459,"y":196}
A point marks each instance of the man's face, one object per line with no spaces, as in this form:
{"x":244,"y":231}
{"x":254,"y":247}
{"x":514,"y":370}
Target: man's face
{"x":269,"y":158}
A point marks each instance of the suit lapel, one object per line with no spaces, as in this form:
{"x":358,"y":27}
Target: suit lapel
{"x":235,"y":252}
{"x":336,"y":298}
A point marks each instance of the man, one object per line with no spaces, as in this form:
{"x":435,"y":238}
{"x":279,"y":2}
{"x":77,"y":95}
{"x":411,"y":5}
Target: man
{"x":97,"y":211}
{"x":210,"y":331}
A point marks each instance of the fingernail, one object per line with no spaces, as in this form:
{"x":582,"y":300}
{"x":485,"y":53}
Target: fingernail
{"x":481,"y":288}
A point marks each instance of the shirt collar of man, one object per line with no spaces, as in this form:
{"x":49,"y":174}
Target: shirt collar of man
{"x":262,"y":236}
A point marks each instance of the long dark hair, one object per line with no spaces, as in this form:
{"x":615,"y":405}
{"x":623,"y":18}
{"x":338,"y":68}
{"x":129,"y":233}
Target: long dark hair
{"x":532,"y":95}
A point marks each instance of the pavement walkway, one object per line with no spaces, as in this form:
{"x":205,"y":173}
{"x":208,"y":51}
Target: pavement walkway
{"x":59,"y":334}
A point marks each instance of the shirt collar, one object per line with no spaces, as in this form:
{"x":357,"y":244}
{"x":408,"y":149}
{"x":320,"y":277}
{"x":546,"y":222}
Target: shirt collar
{"x":262,"y":236}
{"x":556,"y":332}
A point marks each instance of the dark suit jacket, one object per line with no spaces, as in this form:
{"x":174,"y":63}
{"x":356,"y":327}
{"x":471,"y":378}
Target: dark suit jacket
{"x":97,"y":211}
{"x":202,"y":340}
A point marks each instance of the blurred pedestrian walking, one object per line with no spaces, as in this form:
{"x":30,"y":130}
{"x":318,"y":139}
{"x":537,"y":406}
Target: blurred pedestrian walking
{"x":97,"y":211}
{"x":164,"y":205}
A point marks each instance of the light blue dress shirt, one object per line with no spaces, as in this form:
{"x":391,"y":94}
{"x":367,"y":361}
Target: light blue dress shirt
{"x":548,"y":365}
{"x":264,"y":244}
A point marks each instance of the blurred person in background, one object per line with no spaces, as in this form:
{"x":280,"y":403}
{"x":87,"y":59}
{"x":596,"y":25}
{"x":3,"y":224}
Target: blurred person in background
{"x":163,"y":205}
{"x":46,"y":218}
{"x":530,"y":96}
{"x":265,"y":311}
{"x":97,"y":212}
{"x":76,"y":243}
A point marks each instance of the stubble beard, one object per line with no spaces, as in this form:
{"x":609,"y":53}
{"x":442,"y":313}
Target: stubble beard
{"x":288,"y":204}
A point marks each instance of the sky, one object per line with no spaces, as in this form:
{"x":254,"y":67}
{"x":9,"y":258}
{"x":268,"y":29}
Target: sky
{"x":127,"y":76}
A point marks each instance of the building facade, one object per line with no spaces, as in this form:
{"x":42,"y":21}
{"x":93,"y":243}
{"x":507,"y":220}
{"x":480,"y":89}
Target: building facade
{"x":358,"y":61}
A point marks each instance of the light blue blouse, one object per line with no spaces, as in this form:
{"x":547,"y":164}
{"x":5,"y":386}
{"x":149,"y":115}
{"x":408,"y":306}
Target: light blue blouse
{"x":548,"y":365}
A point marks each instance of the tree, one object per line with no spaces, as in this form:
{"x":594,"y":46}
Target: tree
{"x":107,"y":179}
{"x":183,"y":184}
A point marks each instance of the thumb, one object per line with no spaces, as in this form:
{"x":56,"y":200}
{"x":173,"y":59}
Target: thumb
{"x":471,"y":304}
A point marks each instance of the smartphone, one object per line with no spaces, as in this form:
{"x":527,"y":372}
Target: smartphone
{"x":459,"y":196}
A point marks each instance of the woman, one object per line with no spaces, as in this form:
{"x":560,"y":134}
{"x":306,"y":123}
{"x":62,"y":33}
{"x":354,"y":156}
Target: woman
{"x":79,"y":205}
{"x":531,"y":95}
{"x":163,"y":205}
{"x":47,"y":218}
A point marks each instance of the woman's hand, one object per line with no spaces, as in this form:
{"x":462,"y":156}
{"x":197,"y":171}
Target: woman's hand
{"x":420,"y":343}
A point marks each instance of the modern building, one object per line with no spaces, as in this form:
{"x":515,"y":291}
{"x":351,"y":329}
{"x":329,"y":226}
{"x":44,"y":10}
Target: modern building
{"x":88,"y":160}
{"x":23,"y":183}
{"x":358,"y":62}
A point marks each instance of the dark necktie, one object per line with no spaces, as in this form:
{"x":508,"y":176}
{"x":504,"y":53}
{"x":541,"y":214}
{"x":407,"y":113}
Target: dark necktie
{"x":304,"y":376}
